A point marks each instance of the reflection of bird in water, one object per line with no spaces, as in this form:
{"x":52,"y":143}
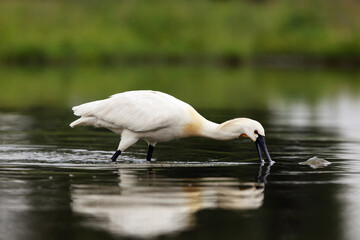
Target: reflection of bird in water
{"x":150,"y":206}
{"x":158,"y":117}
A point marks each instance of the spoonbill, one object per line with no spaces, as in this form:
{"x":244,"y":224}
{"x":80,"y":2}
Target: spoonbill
{"x":158,"y":117}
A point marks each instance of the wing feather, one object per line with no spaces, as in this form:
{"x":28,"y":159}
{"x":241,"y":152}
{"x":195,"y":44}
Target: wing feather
{"x":135,"y":110}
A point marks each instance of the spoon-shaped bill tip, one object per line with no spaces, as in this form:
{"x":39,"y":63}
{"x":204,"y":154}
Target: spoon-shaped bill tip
{"x":261,"y":146}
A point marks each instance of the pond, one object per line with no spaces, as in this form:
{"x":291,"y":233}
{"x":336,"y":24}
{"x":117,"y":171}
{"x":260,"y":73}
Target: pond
{"x":60,"y":182}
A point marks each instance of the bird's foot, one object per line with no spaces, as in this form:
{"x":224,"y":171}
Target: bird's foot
{"x":116,"y":155}
{"x":150,"y":153}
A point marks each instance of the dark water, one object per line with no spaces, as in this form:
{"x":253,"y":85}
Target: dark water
{"x":58,"y":183}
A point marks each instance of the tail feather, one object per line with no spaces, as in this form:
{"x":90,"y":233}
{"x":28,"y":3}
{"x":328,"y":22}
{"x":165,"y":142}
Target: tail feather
{"x":93,"y":121}
{"x":83,"y":121}
{"x":87,"y":109}
{"x":87,"y":113}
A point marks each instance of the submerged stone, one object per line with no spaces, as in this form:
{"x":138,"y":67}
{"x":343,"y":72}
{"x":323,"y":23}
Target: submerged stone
{"x":316,"y":162}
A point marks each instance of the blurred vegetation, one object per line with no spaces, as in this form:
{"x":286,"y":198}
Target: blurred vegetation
{"x":229,"y":32}
{"x":132,"y":41}
{"x":202,"y":87}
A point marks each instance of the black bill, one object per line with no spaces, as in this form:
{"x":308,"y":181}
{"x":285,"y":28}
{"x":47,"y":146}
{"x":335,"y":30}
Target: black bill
{"x":261,"y":145}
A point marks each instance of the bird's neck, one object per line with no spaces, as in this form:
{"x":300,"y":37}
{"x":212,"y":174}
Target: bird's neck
{"x":201,"y":127}
{"x":221,"y":131}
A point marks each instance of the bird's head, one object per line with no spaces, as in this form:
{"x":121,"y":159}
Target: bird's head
{"x":245,"y":127}
{"x":250,"y":128}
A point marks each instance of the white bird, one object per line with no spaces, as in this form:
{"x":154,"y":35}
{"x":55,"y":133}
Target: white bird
{"x":158,"y":117}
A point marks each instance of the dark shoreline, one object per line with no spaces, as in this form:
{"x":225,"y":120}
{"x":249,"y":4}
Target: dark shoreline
{"x":284,"y":61}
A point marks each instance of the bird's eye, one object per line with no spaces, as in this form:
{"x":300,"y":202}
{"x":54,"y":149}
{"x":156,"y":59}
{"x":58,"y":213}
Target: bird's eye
{"x":256,"y":132}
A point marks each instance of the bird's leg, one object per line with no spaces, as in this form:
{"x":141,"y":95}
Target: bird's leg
{"x":150,"y":152}
{"x":127,"y":139}
{"x":116,"y":155}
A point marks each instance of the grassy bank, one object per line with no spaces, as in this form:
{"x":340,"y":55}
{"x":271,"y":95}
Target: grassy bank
{"x":203,"y":87}
{"x":67,"y":32}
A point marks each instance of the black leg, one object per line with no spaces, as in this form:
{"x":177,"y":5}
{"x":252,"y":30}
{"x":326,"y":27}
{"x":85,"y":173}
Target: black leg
{"x":115,"y":156}
{"x":150,"y":152}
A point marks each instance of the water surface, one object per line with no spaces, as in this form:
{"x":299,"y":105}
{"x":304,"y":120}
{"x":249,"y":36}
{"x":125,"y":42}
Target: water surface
{"x":59,"y":182}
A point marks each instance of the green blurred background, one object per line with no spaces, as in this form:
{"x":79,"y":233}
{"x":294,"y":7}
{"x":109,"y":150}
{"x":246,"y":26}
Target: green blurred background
{"x":221,"y":54}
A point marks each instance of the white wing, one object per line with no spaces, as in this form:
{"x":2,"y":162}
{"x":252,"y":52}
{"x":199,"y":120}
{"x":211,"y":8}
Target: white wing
{"x":134,"y":110}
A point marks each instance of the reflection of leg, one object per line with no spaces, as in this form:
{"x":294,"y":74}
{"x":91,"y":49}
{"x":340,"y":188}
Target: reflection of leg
{"x":116,"y":155}
{"x":150,"y":152}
